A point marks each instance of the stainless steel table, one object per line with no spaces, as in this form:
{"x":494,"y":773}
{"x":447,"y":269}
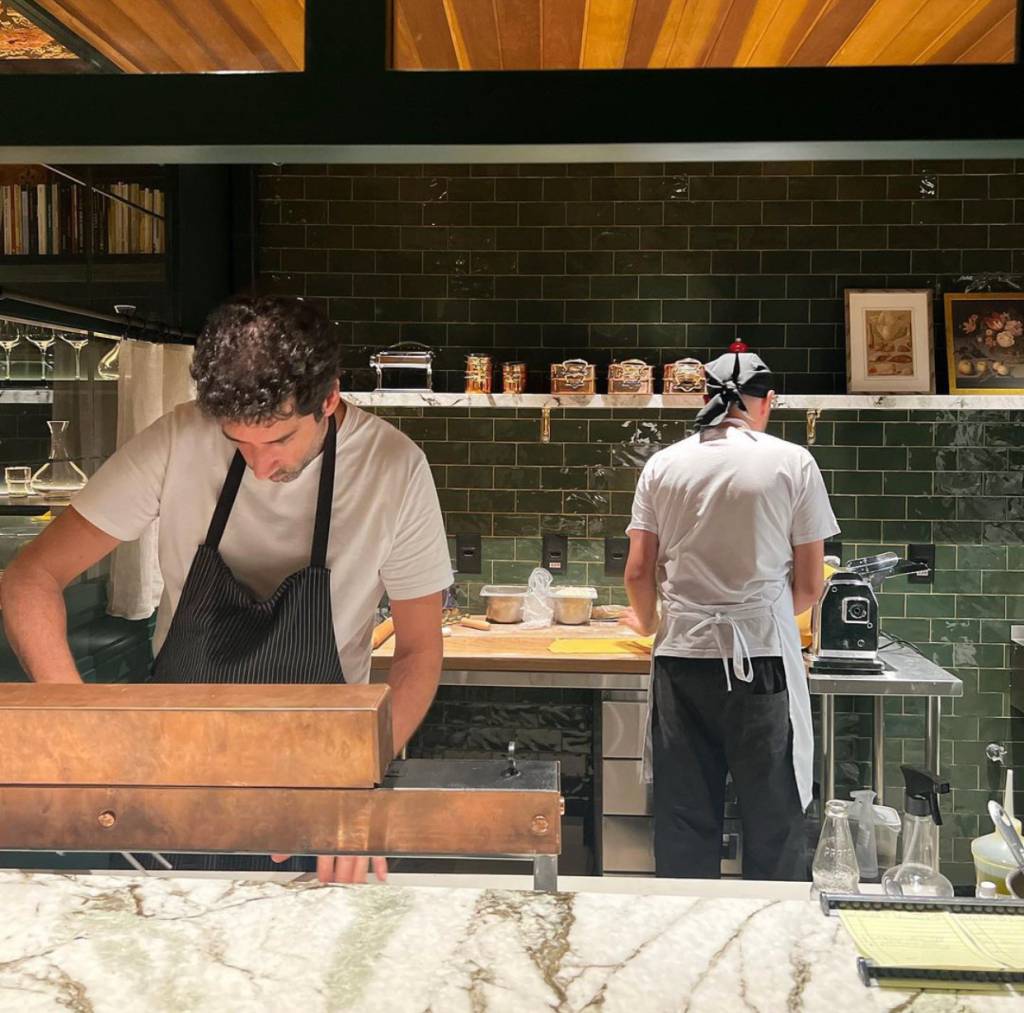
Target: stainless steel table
{"x":911,"y":675}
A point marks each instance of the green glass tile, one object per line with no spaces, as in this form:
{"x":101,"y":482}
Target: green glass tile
{"x":469,"y":523}
{"x":858,"y":482}
{"x":959,"y":434}
{"x":904,"y":726}
{"x":506,"y":572}
{"x":1002,"y":582}
{"x":995,"y":632}
{"x":614,"y":479}
{"x":563,"y":478}
{"x":914,"y":630}
{"x":858,"y":434}
{"x":859,"y":530}
{"x":499,"y":548}
{"x":1015,"y":557}
{"x":907,"y":531}
{"x":982,"y":459}
{"x":981,"y":557}
{"x":843,"y":506}
{"x":1015,"y":607}
{"x":931,"y":508}
{"x":587,"y":454}
{"x":518,"y":478}
{"x":980,"y":606}
{"x":516,"y":524}
{"x":931,"y":606}
{"x":609,"y":526}
{"x":425,"y":429}
{"x":891,"y":606}
{"x":963,"y":728}
{"x":957,"y":581}
{"x":909,"y":434}
{"x":470,"y":477}
{"x":835,"y":458}
{"x":586,"y":503}
{"x":471,"y":429}
{"x":533,"y":502}
{"x":981,"y":508}
{"x":453,"y":500}
{"x":528,"y":549}
{"x":1004,"y":435}
{"x":952,"y":631}
{"x":882,"y":458}
{"x":560,"y":524}
{"x":881,"y":507}
{"x":995,"y":729}
{"x":570,"y":431}
{"x":492,"y":453}
{"x":908,"y":483}
{"x":447,"y":453}
{"x":945,"y":557}
{"x":923,"y":458}
{"x":492,"y":501}
{"x":587,"y":550}
{"x":540,"y":453}
{"x":994,"y":680}
{"x":963,"y":776}
{"x":508,"y":430}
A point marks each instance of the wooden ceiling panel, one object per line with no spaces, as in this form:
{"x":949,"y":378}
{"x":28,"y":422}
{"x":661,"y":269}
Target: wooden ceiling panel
{"x":524,"y":34}
{"x":161,"y":36}
{"x":562,"y":33}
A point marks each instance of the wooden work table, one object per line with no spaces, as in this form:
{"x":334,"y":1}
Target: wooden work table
{"x":508,"y":648}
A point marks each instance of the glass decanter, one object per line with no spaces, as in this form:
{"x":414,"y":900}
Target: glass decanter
{"x":835,"y":868}
{"x":60,"y":476}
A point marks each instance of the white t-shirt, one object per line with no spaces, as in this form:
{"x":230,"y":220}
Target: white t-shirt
{"x":728,"y":509}
{"x":386,"y":534}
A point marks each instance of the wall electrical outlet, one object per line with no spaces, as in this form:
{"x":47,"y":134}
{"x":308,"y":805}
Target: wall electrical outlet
{"x":922,"y":554}
{"x":468,"y":554}
{"x":616,"y":552}
{"x":555,"y":555}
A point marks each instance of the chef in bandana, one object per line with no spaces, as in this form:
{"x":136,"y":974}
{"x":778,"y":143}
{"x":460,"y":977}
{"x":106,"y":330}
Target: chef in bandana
{"x":727,"y":535}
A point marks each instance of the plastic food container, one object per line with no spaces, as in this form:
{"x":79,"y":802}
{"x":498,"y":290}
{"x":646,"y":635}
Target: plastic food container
{"x":504,"y":602}
{"x":573,"y":605}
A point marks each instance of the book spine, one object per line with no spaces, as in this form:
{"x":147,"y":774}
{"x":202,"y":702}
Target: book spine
{"x":42,"y":220}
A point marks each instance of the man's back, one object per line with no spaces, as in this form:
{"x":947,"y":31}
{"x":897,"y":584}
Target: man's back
{"x":728,"y":505}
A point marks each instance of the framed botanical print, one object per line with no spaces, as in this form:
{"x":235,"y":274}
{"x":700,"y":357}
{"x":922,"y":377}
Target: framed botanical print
{"x":889,"y":343}
{"x":985,"y":342}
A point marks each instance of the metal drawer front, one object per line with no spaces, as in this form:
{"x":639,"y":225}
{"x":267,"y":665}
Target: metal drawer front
{"x":627,"y":844}
{"x":622,"y":729}
{"x":623,"y":791}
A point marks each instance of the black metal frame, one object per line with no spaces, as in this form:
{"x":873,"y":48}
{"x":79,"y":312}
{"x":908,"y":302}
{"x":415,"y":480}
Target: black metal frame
{"x":347,"y":106}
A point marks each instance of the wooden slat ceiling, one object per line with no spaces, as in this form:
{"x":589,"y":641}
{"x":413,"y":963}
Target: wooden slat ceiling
{"x":609,"y":34}
{"x":22,"y":40}
{"x":189,"y":36}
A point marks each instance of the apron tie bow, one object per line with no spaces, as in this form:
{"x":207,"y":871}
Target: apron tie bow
{"x":741,"y":660}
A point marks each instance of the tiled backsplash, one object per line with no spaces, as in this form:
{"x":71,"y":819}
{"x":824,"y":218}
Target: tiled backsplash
{"x":547,"y":262}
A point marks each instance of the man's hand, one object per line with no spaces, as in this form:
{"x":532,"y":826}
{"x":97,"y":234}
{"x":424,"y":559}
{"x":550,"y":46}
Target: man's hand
{"x":344,"y":868}
{"x":643,"y":625}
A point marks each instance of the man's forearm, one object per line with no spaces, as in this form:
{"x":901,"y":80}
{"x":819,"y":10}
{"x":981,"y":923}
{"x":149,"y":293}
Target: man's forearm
{"x":413,"y":679}
{"x":35,"y":621}
{"x":643,"y":599}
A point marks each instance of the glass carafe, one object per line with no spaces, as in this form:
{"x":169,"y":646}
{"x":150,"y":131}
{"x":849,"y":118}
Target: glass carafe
{"x":835,"y":868}
{"x":60,"y":476}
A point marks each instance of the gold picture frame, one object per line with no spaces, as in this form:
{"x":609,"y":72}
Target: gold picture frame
{"x":985,"y":342}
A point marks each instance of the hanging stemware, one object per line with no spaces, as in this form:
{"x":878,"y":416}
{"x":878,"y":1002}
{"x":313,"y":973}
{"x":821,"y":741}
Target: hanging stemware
{"x":43,"y":338}
{"x":10,"y":338}
{"x":77,"y":340}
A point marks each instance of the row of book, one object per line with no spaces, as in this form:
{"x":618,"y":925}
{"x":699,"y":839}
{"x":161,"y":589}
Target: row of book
{"x":50,"y":219}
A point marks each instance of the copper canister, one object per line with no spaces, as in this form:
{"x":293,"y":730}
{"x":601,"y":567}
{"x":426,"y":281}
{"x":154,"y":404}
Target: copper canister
{"x":513,"y":377}
{"x":574,"y":376}
{"x":633,"y":376}
{"x":478,"y":374}
{"x":684,"y":376}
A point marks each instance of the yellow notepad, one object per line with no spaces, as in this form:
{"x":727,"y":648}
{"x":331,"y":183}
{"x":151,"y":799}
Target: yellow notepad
{"x":937,"y":941}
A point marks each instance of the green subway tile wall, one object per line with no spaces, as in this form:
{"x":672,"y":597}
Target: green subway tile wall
{"x":544,"y":262}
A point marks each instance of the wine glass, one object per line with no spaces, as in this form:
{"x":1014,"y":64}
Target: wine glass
{"x":10,"y":338}
{"x":43,"y":339}
{"x":77,"y":340}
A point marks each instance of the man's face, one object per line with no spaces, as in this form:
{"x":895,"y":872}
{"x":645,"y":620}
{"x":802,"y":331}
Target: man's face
{"x":280,"y":450}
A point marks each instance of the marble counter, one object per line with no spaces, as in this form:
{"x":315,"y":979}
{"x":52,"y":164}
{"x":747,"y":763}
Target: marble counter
{"x":99,"y":944}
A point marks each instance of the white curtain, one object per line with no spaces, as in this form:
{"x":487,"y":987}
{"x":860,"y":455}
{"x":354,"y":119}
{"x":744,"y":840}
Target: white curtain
{"x":153,"y":379}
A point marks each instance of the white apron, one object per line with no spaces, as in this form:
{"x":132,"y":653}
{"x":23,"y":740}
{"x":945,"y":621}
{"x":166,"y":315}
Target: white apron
{"x":728,"y":619}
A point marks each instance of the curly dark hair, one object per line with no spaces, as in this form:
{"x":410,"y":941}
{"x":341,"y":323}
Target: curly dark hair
{"x":265,"y":358}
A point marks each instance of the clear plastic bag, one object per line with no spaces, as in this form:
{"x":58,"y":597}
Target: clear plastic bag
{"x":537,"y":609}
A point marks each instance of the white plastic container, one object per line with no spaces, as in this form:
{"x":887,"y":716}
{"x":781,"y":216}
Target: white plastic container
{"x":504,"y":602}
{"x":573,"y":605}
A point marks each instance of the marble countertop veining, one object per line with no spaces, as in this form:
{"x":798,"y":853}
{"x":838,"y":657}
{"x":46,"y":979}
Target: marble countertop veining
{"x":100,"y":944}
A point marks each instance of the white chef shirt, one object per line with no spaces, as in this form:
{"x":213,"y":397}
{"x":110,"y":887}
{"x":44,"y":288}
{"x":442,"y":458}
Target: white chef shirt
{"x":728,"y":505}
{"x":387,"y":532}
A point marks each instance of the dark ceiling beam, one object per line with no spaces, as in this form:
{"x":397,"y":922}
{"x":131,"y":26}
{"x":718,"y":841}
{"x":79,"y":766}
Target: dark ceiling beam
{"x":347,"y":106}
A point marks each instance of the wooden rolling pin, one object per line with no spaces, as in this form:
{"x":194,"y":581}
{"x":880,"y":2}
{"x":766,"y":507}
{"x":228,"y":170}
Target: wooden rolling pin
{"x":382,"y":631}
{"x":475,"y":624}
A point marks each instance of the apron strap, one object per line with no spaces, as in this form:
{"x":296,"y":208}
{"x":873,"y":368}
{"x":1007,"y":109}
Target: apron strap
{"x":226,"y":501}
{"x":324,"y":498}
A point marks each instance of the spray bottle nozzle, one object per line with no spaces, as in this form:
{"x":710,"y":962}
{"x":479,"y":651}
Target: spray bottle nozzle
{"x":923,"y":789}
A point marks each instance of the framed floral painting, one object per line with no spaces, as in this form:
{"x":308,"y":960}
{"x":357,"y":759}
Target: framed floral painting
{"x":889,"y":344}
{"x":985,"y":342}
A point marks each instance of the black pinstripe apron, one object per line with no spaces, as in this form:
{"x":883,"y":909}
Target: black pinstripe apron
{"x":221,"y":633}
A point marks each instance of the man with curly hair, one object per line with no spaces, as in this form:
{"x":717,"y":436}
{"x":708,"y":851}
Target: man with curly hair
{"x":284,"y":513}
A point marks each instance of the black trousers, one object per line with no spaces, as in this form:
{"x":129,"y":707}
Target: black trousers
{"x":701,"y":731}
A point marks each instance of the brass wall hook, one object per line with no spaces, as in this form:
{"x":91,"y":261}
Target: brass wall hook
{"x":545,"y":424}
{"x":813,"y":414}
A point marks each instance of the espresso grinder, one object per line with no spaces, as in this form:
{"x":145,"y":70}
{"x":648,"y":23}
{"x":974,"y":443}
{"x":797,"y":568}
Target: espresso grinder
{"x":844,"y":625}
